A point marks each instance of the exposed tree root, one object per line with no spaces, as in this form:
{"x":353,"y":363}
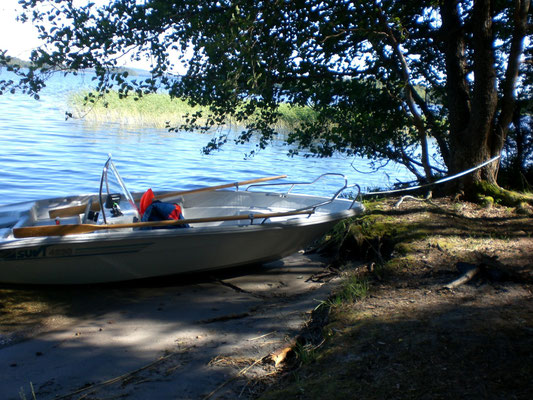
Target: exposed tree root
{"x":484,"y":190}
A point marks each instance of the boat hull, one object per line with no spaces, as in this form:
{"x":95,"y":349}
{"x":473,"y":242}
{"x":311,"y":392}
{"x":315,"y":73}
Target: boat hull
{"x":122,"y":259}
{"x":122,"y":255}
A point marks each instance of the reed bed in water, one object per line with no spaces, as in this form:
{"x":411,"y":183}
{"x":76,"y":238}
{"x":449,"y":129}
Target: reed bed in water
{"x":153,"y":110}
{"x":159,"y":110}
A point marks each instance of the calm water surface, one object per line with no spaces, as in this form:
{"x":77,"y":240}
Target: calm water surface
{"x":43,"y":155}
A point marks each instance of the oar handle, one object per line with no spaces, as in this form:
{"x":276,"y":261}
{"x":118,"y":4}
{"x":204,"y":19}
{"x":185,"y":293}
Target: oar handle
{"x":75,"y":210}
{"x":225,"y":186}
{"x":73,"y":229}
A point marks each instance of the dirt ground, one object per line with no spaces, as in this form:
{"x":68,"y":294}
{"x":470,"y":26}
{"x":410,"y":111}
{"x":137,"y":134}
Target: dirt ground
{"x":411,"y":337}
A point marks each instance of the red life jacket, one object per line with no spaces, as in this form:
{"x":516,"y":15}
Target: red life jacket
{"x":155,"y":210}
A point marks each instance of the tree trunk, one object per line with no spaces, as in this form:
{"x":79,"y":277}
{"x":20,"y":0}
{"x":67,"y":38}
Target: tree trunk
{"x":457,"y":90}
{"x":478,"y":122}
{"x":484,"y":99}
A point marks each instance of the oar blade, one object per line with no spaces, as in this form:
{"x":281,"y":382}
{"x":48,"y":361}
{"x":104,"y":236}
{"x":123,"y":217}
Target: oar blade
{"x":53,"y":230}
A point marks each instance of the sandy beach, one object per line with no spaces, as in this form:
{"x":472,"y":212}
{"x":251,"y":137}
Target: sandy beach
{"x":189,"y":337}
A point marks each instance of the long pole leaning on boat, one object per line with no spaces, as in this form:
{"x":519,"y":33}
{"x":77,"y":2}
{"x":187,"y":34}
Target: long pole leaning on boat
{"x":75,"y":229}
{"x":74,"y":210}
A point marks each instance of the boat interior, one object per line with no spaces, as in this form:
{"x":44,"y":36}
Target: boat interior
{"x":115,"y":205}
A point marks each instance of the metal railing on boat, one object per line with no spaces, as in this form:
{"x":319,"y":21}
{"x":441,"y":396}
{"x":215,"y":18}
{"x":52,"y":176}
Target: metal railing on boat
{"x":321,"y":204}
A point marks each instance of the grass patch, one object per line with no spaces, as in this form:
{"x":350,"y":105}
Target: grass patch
{"x":22,"y":393}
{"x":488,"y":194}
{"x":306,"y":353}
{"x":352,"y":289}
{"x":374,"y":236}
{"x":159,"y":110}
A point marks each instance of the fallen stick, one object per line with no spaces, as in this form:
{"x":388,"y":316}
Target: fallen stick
{"x":224,"y":318}
{"x":466,"y":277}
{"x":262,"y":336}
{"x":114,"y":380}
{"x":239,"y":374}
{"x":428,"y":197}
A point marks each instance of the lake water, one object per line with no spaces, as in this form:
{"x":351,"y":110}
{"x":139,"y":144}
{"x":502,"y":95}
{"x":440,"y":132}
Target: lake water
{"x":43,"y":155}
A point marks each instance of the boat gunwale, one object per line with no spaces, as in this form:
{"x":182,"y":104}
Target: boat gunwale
{"x":12,"y":243}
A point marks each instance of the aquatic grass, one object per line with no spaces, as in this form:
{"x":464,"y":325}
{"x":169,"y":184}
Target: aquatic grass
{"x":292,"y":116}
{"x":156,"y":110}
{"x":160,"y":110}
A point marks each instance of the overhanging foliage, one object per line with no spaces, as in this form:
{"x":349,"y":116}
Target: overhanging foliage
{"x":383,"y":77}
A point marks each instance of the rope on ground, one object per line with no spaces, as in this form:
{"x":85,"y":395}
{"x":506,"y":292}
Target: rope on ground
{"x":448,"y":178}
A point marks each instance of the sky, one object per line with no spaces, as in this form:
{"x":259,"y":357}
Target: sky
{"x":19,"y":39}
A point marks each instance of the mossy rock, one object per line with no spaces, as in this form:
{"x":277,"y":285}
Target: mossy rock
{"x":486,"y":201}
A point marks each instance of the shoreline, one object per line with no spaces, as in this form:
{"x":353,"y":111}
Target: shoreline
{"x":372,"y":320}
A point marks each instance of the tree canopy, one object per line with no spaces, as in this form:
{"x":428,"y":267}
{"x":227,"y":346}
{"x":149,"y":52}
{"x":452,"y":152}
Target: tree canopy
{"x":385,"y":78}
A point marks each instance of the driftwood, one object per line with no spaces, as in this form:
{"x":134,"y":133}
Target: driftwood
{"x":488,"y":268}
{"x":428,"y":197}
{"x":470,"y":270}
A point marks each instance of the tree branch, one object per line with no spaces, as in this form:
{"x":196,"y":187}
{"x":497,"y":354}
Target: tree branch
{"x":511,"y":74}
{"x":409,"y":91}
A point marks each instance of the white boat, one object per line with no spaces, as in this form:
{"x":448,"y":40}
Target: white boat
{"x":98,"y":238}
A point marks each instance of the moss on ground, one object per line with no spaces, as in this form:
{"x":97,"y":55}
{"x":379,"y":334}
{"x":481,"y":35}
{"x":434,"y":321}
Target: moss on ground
{"x":489,"y":193}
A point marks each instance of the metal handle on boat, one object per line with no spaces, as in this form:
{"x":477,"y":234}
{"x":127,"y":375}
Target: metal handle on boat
{"x":358,"y":193}
{"x":100,"y":198}
{"x":294,"y":184}
{"x":315,"y":206}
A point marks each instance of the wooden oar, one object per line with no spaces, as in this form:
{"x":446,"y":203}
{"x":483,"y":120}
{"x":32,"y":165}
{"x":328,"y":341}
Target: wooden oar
{"x":75,"y":210}
{"x":74,"y":229}
{"x":227,"y":185}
